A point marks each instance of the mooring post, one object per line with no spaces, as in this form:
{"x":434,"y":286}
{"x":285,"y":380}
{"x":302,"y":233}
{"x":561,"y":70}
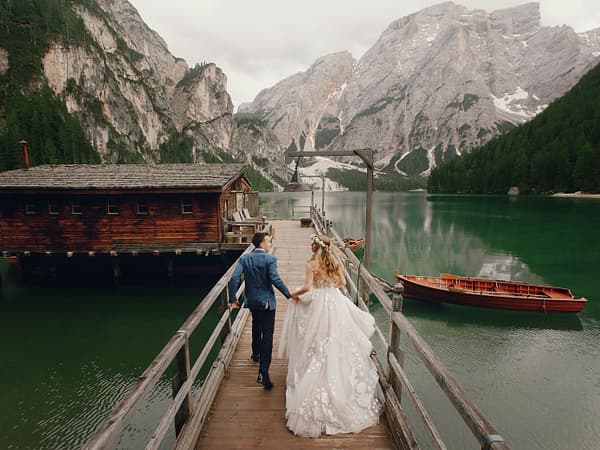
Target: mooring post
{"x":395,"y":332}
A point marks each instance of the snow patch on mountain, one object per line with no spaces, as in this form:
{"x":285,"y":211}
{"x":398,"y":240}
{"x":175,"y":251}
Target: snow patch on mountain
{"x":514,"y":105}
{"x":319,"y":167}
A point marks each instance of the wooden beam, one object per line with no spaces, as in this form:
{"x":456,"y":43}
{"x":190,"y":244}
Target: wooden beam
{"x":366,"y":154}
{"x":108,"y":433}
{"x":473,"y":417}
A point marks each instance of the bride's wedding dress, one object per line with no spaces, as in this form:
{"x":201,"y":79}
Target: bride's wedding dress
{"x":332,"y":384}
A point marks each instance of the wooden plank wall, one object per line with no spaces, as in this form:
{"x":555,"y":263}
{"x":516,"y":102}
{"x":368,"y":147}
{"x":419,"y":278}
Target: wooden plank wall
{"x":95,"y":230}
{"x":244,"y":415}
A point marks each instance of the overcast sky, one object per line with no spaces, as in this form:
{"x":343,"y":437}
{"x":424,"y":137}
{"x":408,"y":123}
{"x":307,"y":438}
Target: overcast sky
{"x":259,"y":42}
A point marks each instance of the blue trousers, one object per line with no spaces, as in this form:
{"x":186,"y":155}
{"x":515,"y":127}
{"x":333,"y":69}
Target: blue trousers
{"x":263,"y":324}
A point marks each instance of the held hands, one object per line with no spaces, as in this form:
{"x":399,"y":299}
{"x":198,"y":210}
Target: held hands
{"x":234,"y":305}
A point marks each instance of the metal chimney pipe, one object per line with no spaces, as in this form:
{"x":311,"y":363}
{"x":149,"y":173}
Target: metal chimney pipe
{"x":25,"y":153}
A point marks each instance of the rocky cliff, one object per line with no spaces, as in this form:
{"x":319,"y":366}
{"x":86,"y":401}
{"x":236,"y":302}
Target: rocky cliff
{"x":130,"y":93}
{"x":435,"y":84}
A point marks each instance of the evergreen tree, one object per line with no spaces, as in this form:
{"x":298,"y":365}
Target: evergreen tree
{"x":559,"y":150}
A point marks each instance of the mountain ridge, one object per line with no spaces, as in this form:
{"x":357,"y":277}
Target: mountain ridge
{"x":436,"y":83}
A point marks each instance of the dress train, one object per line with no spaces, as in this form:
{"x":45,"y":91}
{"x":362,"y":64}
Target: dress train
{"x":332,"y":384}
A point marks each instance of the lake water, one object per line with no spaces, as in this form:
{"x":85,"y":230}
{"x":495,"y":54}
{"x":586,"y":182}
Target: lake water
{"x":70,"y":351}
{"x":535,"y":376}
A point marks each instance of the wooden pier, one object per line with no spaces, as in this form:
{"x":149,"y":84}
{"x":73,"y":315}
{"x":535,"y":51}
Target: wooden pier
{"x":231,"y":411}
{"x":244,"y":415}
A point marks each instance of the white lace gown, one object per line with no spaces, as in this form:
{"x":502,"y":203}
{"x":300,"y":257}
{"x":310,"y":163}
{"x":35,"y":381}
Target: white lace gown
{"x":332,"y":384}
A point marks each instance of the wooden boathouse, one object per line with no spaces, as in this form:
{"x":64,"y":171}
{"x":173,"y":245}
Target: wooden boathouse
{"x":167,"y":210}
{"x":217,"y":403}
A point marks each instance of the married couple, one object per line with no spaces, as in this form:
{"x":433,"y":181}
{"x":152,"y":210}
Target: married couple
{"x":332,"y":384}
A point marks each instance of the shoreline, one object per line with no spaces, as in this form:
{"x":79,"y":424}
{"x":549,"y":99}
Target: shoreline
{"x":578,"y":194}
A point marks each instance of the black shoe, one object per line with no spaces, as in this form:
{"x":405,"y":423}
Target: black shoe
{"x":264,"y":380}
{"x":255,"y":358}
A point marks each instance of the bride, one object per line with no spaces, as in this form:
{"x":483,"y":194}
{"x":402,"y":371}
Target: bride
{"x":332,"y":384}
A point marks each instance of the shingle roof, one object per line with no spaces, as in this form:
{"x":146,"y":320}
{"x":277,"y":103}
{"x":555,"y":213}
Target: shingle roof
{"x":124,"y":176}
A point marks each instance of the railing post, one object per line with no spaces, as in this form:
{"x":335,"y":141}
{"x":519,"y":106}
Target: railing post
{"x":224,"y":300}
{"x":365,"y":292}
{"x":394,"y":340}
{"x":183,"y":373}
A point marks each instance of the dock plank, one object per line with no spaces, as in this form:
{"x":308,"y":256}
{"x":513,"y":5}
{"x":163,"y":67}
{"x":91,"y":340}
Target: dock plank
{"x":244,"y":415}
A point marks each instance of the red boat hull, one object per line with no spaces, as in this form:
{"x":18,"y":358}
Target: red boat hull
{"x":418,"y":289}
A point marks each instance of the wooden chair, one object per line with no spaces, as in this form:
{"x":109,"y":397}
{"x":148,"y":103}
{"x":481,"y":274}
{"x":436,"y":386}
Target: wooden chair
{"x":245,"y":226}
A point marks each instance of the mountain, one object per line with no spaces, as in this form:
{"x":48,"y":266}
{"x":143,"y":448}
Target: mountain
{"x":300,"y":107}
{"x":435,"y":84}
{"x":96,"y":61}
{"x":558,"y":150}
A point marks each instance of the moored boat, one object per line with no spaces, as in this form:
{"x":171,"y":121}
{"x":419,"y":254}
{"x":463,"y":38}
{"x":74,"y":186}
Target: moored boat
{"x":354,"y":244}
{"x":490,"y":293}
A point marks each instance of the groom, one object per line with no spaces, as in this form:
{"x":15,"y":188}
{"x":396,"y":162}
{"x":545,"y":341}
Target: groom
{"x":260,"y":272}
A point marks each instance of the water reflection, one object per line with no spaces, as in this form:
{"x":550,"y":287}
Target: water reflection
{"x":534,"y":375}
{"x":410,"y":236}
{"x":465,"y":316}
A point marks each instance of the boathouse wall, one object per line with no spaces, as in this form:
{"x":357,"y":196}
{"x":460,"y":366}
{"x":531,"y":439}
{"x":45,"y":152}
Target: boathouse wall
{"x":103,"y":223}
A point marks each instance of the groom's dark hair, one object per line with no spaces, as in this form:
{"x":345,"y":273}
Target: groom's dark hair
{"x":258,"y":238}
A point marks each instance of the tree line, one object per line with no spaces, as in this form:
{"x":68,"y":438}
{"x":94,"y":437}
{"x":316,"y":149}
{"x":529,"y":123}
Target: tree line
{"x":29,"y":110}
{"x":357,"y":181}
{"x":557,"y":151}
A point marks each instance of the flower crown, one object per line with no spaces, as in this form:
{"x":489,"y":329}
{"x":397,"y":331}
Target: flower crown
{"x":317,"y":240}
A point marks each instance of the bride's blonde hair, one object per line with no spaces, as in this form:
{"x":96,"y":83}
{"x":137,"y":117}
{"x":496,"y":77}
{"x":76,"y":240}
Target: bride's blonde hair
{"x":325,"y":264}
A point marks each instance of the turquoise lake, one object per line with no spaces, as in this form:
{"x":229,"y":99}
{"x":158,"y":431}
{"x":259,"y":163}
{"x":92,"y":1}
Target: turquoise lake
{"x":70,"y":351}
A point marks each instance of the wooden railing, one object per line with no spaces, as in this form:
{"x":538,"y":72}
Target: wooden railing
{"x":393,"y":379}
{"x":188,"y":414}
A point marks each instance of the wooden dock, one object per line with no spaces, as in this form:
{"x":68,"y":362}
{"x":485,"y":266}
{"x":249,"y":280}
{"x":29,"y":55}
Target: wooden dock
{"x":244,"y":415}
{"x":232,"y":411}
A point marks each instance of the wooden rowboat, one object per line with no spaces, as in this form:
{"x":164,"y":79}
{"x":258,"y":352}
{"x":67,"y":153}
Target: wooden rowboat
{"x":354,"y":244}
{"x":490,"y":293}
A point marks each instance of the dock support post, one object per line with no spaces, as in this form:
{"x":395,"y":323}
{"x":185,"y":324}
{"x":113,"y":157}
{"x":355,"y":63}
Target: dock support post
{"x":182,"y":375}
{"x":116,"y":268}
{"x":24,"y":268}
{"x":394,"y":340}
{"x":170,"y":267}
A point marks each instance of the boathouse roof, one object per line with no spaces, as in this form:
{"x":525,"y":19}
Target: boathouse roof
{"x":122,"y":177}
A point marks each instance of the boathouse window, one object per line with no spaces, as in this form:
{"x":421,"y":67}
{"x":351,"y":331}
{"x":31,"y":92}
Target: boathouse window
{"x":186,"y":206}
{"x":75,"y":206}
{"x":142,"y":207}
{"x":53,"y":207}
{"x":112,"y":206}
{"x":30,"y":207}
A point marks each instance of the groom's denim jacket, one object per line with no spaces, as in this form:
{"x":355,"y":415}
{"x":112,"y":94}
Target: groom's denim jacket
{"x":260,"y":272}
